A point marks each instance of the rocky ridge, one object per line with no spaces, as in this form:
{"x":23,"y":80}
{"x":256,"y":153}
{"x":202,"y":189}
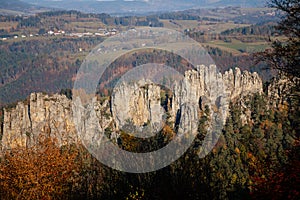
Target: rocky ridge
{"x":53,"y":115}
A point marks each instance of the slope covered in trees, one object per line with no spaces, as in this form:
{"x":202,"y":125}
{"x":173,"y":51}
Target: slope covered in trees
{"x":248,"y":161}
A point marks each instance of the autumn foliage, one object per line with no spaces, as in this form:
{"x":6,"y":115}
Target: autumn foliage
{"x":43,"y":171}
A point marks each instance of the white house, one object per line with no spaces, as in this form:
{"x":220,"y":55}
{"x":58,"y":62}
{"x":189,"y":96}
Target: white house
{"x":50,"y":32}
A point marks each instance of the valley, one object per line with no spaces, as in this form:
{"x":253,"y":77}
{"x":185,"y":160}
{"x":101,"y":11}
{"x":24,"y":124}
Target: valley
{"x":29,"y":43}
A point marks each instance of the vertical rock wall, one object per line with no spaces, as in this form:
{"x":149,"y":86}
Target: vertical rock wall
{"x":53,"y":115}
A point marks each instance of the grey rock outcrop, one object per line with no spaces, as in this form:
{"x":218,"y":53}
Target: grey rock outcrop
{"x":280,"y":88}
{"x":139,"y":102}
{"x":59,"y":117}
{"x":91,"y":120}
{"x":41,"y":114}
{"x":207,"y":86}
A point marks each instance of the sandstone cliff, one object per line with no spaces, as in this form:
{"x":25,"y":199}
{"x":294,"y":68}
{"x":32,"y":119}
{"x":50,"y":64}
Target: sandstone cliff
{"x":41,"y":114}
{"x":53,"y":115}
{"x":139,"y":102}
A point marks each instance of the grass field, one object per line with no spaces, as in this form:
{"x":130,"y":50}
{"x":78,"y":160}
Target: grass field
{"x":87,"y":25}
{"x":237,"y":47}
{"x":10,"y":12}
{"x":201,"y":25}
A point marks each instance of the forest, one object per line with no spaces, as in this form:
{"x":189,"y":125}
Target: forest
{"x":257,"y":160}
{"x":254,"y":160}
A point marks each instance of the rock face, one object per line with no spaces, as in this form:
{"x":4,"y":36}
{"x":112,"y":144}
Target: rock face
{"x":139,"y":102}
{"x":42,"y":114}
{"x":279,"y":89}
{"x":206,"y":86}
{"x":238,"y":84}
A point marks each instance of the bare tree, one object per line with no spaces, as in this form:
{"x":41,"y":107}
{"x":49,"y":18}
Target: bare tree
{"x":285,"y":52}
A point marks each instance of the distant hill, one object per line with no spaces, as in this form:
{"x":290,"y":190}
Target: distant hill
{"x":94,"y":6}
{"x":140,"y":6}
{"x":241,"y":3}
{"x":15,"y":7}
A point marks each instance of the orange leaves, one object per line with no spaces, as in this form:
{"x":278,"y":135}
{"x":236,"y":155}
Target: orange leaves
{"x":266,"y":124}
{"x":249,"y":155}
{"x":168,"y":132}
{"x":43,"y":171}
{"x":237,"y":150}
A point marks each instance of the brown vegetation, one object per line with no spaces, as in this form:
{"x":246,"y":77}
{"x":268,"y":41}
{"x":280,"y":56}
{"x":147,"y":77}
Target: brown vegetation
{"x":43,"y":171}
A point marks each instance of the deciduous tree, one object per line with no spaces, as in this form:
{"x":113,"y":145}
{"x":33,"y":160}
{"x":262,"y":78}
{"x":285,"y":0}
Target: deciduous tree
{"x":285,"y":52}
